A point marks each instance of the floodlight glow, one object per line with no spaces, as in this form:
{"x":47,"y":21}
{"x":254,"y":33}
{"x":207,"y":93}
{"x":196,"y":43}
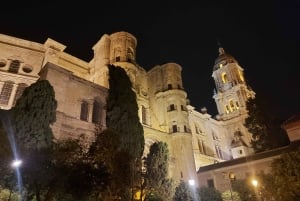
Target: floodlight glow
{"x":254,"y":182}
{"x":16,"y":163}
{"x":192,"y":182}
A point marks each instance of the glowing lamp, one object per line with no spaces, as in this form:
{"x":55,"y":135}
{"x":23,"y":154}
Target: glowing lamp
{"x":16,"y":163}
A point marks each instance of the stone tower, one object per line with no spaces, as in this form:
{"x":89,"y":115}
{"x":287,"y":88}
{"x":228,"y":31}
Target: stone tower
{"x":168,"y":102}
{"x":231,"y":95}
{"x":118,"y":49}
{"x":161,"y":99}
{"x":232,"y":91}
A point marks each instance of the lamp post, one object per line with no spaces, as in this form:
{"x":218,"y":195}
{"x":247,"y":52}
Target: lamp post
{"x":255,"y":184}
{"x":231,"y":177}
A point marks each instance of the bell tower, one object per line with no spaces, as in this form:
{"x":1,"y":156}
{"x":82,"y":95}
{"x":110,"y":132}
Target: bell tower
{"x":232,"y":91}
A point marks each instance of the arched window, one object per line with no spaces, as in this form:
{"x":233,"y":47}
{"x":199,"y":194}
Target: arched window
{"x":6,"y":92}
{"x":19,"y":92}
{"x":201,"y":145}
{"x":144,"y":115}
{"x":227,"y":109}
{"x":219,"y":152}
{"x":232,"y":106}
{"x":84,"y":111}
{"x":14,"y":66}
{"x":2,"y":63}
{"x":224,"y":77}
{"x":171,"y":107}
{"x":175,"y":129}
{"x":130,"y":57}
{"x":96,"y":118}
{"x":185,"y":129}
{"x":118,"y":54}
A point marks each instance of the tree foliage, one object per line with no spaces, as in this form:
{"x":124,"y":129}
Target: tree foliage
{"x":122,"y":113}
{"x":7,"y":177}
{"x":124,"y":126}
{"x":182,"y":192}
{"x":245,"y":189}
{"x":153,"y":197}
{"x":6,"y":194}
{"x":265,"y":129}
{"x":266,"y":187}
{"x":157,"y":162}
{"x":51,"y":170}
{"x":231,"y":196}
{"x":209,"y":194}
{"x":33,"y":114}
{"x":156,"y":177}
{"x":78,"y":174}
{"x":284,"y":179}
{"x":27,"y":126}
{"x":105,"y":149}
{"x":6,"y":150}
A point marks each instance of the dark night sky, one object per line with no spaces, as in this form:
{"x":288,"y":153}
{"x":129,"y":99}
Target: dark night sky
{"x":264,"y":40}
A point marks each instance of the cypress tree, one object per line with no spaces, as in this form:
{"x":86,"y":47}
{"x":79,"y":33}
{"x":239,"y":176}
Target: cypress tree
{"x":33,"y":114}
{"x":122,"y":113}
{"x":266,"y":131}
{"x":31,"y":118}
{"x":182,"y":192}
{"x":123,"y":120}
{"x":157,"y":163}
{"x":257,"y":126}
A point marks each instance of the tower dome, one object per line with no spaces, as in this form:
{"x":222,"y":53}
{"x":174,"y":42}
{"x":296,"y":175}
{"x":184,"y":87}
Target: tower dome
{"x":223,"y":59}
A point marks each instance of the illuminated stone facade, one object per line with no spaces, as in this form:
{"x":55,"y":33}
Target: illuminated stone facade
{"x":250,"y":167}
{"x":195,"y":139}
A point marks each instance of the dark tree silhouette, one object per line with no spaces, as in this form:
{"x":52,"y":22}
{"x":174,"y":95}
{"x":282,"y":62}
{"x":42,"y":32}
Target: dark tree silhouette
{"x":28,"y":129}
{"x":156,"y":177}
{"x":283,"y":182}
{"x":33,"y":114}
{"x":182,"y":192}
{"x":122,"y":119}
{"x":209,"y":194}
{"x":266,"y":131}
{"x":122,"y":113}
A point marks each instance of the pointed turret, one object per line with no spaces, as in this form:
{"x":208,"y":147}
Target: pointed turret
{"x":232,"y":91}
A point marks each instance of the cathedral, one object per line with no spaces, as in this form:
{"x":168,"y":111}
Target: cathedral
{"x":195,"y":138}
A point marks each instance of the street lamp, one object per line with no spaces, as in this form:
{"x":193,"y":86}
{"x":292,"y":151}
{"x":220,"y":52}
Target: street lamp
{"x":255,"y":184}
{"x":191,"y":182}
{"x":192,"y":187}
{"x":231,"y":177}
{"x":16,"y":163}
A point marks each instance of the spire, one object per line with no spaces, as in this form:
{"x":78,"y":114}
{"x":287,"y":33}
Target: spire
{"x":221,"y":49}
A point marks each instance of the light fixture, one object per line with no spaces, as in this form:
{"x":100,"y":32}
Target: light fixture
{"x":16,"y":163}
{"x":254,"y":182}
{"x":191,"y":182}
